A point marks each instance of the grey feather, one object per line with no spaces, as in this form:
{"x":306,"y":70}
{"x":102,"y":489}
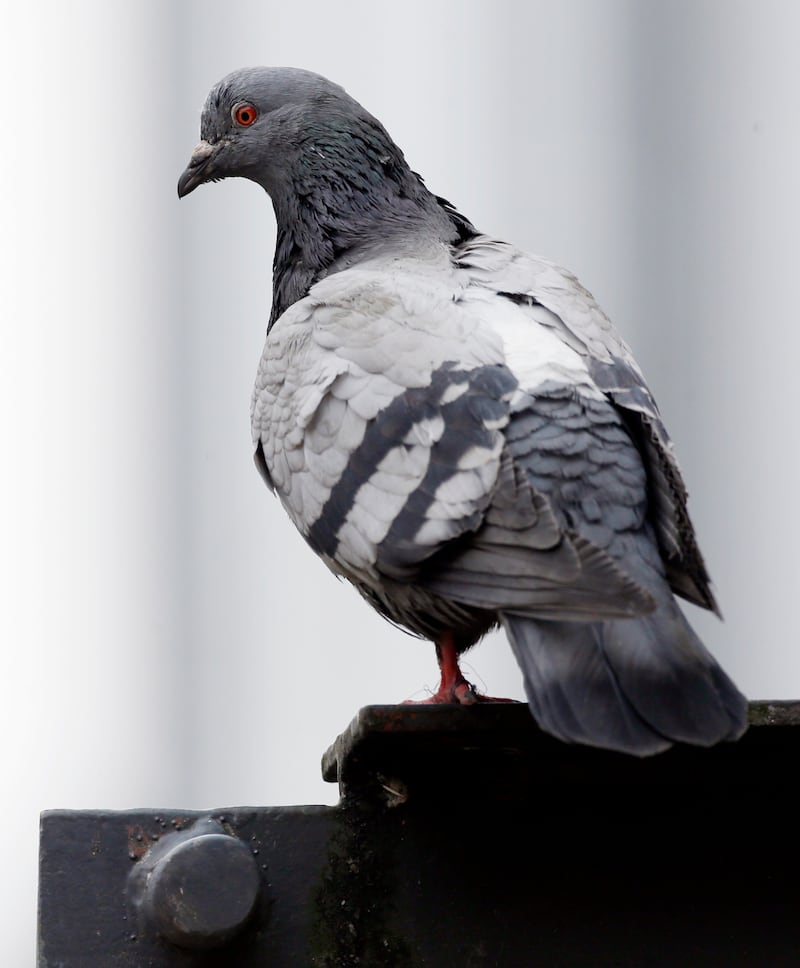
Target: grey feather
{"x":456,"y":427}
{"x":636,"y":685}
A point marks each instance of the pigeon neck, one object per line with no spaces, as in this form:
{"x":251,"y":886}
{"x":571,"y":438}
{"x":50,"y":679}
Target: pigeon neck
{"x":338,"y":216}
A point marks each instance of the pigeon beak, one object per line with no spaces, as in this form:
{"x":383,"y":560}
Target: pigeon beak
{"x":197,"y":171}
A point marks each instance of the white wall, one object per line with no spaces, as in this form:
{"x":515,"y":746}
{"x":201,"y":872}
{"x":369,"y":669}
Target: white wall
{"x":167,"y":638}
{"x":91,"y":539}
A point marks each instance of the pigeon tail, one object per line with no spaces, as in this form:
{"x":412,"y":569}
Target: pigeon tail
{"x":633,"y":685}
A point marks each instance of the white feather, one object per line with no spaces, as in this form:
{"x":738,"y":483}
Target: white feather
{"x":535,"y":354}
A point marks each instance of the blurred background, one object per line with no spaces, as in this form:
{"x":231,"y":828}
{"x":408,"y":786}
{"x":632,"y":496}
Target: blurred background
{"x":167,"y":638}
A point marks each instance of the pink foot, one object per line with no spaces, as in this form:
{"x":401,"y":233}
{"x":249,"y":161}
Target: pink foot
{"x":453,"y":687}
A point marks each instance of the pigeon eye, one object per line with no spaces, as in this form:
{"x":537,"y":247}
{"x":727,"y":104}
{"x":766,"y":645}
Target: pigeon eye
{"x":244,"y":114}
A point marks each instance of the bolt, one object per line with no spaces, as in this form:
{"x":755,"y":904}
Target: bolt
{"x":199,"y":890}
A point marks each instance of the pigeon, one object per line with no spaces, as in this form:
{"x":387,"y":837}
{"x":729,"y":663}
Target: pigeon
{"x":455,"y":427}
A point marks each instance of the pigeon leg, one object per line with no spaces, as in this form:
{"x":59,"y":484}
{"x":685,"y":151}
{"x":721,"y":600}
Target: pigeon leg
{"x":453,"y":687}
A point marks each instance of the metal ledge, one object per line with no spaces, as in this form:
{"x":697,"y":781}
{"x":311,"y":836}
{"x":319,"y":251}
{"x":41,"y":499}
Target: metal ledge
{"x":465,"y":836}
{"x":496,"y":751}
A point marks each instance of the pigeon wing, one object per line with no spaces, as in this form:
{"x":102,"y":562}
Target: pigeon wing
{"x":553,"y":298}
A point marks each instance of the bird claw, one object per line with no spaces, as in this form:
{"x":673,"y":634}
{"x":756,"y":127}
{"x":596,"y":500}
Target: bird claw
{"x":453,"y":689}
{"x":461,"y":693}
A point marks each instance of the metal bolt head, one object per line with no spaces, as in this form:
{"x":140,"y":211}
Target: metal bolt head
{"x":201,"y":893}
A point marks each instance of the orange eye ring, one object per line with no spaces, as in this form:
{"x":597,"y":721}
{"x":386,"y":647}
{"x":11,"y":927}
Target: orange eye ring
{"x":244,"y":114}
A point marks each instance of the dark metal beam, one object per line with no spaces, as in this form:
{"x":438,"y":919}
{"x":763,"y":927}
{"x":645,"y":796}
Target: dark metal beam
{"x":464,"y":837}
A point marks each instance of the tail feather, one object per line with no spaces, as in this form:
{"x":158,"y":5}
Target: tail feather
{"x":636,"y":685}
{"x":673,"y":680}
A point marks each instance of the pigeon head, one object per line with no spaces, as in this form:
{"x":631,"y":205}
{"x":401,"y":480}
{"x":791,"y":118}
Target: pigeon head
{"x":340,"y":186}
{"x":253,"y":125}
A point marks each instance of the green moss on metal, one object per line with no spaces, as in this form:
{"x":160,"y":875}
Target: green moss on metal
{"x":354,"y":902}
{"x":777,"y":712}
